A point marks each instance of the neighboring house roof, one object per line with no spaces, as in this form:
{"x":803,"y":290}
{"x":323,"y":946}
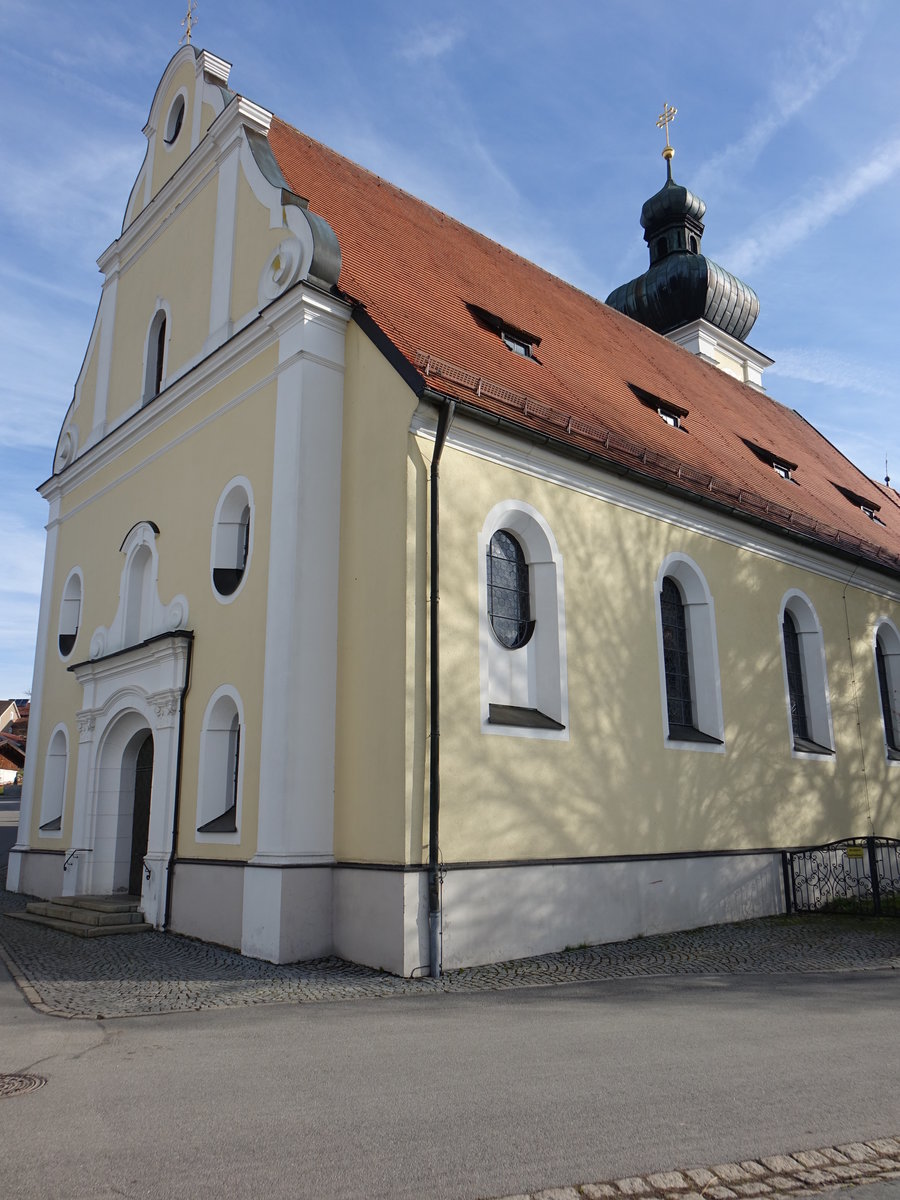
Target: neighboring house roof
{"x":441,"y":293}
{"x":12,"y":752}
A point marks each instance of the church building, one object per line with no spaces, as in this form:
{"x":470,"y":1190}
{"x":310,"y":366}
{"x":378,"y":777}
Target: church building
{"x":404,"y":603}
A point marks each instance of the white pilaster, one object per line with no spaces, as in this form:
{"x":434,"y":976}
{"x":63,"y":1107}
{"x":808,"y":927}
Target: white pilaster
{"x":220,"y":326}
{"x":296,"y":797}
{"x":107,"y":318}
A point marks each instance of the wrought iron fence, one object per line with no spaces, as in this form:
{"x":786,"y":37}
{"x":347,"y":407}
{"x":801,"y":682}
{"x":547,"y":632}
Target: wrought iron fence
{"x":856,"y":875}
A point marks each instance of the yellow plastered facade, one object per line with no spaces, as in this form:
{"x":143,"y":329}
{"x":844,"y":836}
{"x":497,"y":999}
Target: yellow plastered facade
{"x":616,"y":787}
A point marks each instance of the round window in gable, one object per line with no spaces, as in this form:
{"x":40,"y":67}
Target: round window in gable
{"x":175,"y":119}
{"x":232,"y":538}
{"x":70,"y":614}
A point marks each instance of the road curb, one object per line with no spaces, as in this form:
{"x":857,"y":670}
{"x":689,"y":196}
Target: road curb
{"x":799,"y":1173}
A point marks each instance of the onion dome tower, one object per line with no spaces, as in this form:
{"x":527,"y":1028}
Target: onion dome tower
{"x":683,"y":295}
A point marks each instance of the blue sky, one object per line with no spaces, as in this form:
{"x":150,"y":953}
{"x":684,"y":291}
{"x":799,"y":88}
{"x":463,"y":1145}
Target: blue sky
{"x":532,"y":122}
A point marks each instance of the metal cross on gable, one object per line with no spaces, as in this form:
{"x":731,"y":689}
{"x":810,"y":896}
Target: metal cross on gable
{"x":188,"y":23}
{"x":662,"y":122}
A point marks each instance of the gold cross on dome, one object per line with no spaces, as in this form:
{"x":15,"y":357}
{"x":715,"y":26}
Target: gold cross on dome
{"x":188,"y":23}
{"x":662,"y":122}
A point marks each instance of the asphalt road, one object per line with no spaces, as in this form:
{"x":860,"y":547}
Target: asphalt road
{"x":447,"y":1096}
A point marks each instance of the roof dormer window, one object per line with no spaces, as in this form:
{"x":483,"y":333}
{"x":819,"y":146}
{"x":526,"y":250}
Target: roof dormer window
{"x":519,"y":341}
{"x":866,"y":506}
{"x":672,"y":414}
{"x":871,"y":514}
{"x":782,"y":467}
{"x":517,"y":345}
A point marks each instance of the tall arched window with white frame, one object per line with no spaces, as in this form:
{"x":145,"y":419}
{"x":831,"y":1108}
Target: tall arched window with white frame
{"x":219,"y":798}
{"x":805,"y":678}
{"x":688,"y":657}
{"x":156,"y":353}
{"x":887,"y":670}
{"x":524,"y":680}
{"x":53,"y":793}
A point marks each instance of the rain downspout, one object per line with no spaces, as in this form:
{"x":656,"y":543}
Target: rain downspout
{"x":176,"y":802}
{"x":434,"y":781}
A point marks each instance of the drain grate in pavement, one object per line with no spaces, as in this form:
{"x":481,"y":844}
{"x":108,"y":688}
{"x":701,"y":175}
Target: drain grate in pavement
{"x":17,"y":1085}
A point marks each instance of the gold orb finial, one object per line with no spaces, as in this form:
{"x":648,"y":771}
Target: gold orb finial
{"x":662,"y":122}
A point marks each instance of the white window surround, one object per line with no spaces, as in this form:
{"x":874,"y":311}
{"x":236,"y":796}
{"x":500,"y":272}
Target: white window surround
{"x":887,"y":631}
{"x":226,"y":544}
{"x":535,"y":675}
{"x":70,"y":610}
{"x":217,"y":750}
{"x":706,"y":684}
{"x":170,"y":141}
{"x":53,"y":791}
{"x":815,"y":675}
{"x":141,"y":614}
{"x":149,"y":391}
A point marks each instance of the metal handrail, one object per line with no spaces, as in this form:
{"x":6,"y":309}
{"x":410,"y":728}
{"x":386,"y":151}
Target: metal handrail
{"x":73,"y":853}
{"x":147,"y":872}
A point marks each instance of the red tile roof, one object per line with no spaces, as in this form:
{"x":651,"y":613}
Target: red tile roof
{"x":416,"y":271}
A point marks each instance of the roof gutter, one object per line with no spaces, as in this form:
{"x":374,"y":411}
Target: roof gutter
{"x":445,"y":416}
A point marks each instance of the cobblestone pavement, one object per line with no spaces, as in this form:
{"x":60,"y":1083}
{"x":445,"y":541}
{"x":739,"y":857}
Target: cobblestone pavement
{"x":799,"y":1174}
{"x":128,"y":975}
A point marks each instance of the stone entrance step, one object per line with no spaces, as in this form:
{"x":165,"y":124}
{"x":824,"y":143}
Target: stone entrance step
{"x":87,"y":916}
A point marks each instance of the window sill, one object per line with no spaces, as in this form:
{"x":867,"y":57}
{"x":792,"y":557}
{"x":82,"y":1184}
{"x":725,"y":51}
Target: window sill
{"x":523,"y":718}
{"x":687,"y":733}
{"x":225,"y":823}
{"x":805,"y":746}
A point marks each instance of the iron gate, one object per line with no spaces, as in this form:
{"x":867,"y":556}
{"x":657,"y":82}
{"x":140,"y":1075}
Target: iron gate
{"x":856,"y":876}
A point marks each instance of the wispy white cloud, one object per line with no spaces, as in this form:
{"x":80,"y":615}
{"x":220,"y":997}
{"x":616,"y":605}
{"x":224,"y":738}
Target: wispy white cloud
{"x":430,"y":42}
{"x":823,"y":200}
{"x":829,"y":369}
{"x":801,"y":72}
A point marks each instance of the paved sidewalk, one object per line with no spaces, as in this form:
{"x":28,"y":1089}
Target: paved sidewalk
{"x":799,"y":1174}
{"x":131,"y":975}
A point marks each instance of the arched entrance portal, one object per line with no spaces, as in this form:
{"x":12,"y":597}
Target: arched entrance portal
{"x":140,"y":815}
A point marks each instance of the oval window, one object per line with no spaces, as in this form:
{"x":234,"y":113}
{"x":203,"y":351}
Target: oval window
{"x":231,"y":538}
{"x":70,"y":614}
{"x":175,"y":120}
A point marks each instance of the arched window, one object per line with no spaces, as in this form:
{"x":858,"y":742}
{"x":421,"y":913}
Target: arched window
{"x":220,"y":766}
{"x":887,"y":666}
{"x":231,"y":538}
{"x":693,"y":245}
{"x":508,"y":591}
{"x":70,"y":613}
{"x":154,"y":370}
{"x":677,"y":658}
{"x":689,"y":663}
{"x":524,"y":689}
{"x":53,"y":793}
{"x":806,"y":687}
{"x":796,"y":687}
{"x":138,"y":595}
{"x":662,"y":248}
